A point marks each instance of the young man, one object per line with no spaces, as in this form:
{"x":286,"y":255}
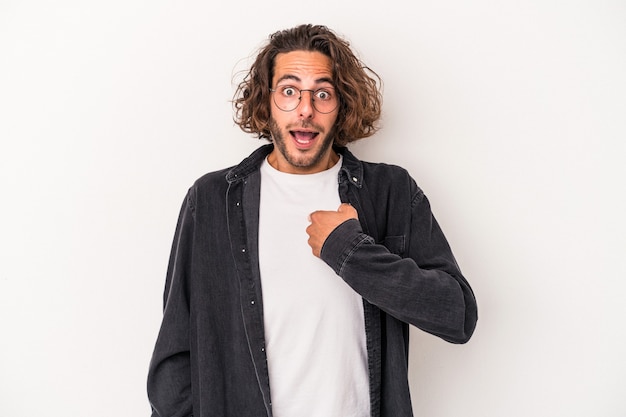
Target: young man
{"x":294,"y":275}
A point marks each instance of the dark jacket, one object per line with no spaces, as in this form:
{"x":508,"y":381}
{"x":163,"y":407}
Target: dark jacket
{"x":209,"y":358}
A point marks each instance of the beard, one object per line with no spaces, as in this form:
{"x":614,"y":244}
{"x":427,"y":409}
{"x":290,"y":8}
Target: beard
{"x":305,"y":159}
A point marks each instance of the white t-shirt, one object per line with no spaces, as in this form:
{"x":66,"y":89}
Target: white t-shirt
{"x":314,"y":324}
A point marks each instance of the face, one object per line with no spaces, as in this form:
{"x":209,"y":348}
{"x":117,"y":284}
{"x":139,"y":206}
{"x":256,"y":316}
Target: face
{"x":302,"y":137}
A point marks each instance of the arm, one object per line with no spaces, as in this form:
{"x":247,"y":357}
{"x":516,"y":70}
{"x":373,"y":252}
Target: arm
{"x":169,"y":378}
{"x":425,"y":288}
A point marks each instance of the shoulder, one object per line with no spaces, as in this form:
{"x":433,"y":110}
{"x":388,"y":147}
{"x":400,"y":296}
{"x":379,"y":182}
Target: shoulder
{"x":206,"y":188}
{"x":373,"y":169}
{"x":380,"y":168}
{"x":381,"y":176}
{"x":223,"y":177}
{"x":212,"y":179}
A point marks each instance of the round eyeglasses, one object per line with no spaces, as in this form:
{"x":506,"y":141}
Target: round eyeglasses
{"x":287,"y":98}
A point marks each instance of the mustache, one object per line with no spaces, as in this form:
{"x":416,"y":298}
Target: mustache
{"x":305,"y":124}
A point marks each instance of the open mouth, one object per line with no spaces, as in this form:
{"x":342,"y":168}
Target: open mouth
{"x":303,"y":137}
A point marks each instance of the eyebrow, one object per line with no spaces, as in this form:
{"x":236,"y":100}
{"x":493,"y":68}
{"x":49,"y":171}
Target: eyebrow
{"x":295,"y":78}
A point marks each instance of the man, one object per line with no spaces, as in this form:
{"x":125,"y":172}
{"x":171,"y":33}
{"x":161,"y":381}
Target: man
{"x":294,"y":275}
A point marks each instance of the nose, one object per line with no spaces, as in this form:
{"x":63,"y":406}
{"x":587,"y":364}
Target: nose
{"x":305,"y":106}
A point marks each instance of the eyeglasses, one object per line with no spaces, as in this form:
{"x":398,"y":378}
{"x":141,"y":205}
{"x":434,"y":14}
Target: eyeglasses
{"x":288,"y":97}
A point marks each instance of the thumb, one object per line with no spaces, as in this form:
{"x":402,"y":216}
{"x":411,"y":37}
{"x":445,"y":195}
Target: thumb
{"x":346,"y":208}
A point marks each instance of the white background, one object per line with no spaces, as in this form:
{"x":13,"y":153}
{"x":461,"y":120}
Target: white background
{"x":510,"y":115}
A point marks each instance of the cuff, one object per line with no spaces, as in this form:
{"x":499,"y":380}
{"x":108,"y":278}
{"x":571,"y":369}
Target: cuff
{"x":342,"y":243}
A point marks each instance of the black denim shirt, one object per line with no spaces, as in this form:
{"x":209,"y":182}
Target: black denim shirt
{"x":209,"y":358}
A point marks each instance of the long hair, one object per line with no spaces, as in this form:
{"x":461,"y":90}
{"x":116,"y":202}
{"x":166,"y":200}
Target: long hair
{"x":360,"y":98}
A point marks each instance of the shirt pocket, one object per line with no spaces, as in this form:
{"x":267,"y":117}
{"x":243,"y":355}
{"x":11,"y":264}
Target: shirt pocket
{"x":395,"y":244}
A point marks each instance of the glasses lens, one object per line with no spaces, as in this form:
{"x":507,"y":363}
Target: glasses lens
{"x":287,"y":98}
{"x":325,"y":100}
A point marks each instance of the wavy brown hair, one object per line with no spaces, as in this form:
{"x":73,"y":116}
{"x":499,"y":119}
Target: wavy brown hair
{"x":358,"y":86}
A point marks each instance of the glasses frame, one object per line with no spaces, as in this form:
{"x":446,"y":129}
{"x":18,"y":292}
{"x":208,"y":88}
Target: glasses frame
{"x":274,"y":90}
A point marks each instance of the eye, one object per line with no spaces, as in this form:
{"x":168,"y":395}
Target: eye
{"x":323,"y":94}
{"x":289,"y":91}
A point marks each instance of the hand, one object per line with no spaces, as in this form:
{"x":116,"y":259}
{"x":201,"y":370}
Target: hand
{"x":324,"y":222}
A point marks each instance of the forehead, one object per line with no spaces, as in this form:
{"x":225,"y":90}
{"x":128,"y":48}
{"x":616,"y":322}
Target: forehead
{"x":303,"y":66}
